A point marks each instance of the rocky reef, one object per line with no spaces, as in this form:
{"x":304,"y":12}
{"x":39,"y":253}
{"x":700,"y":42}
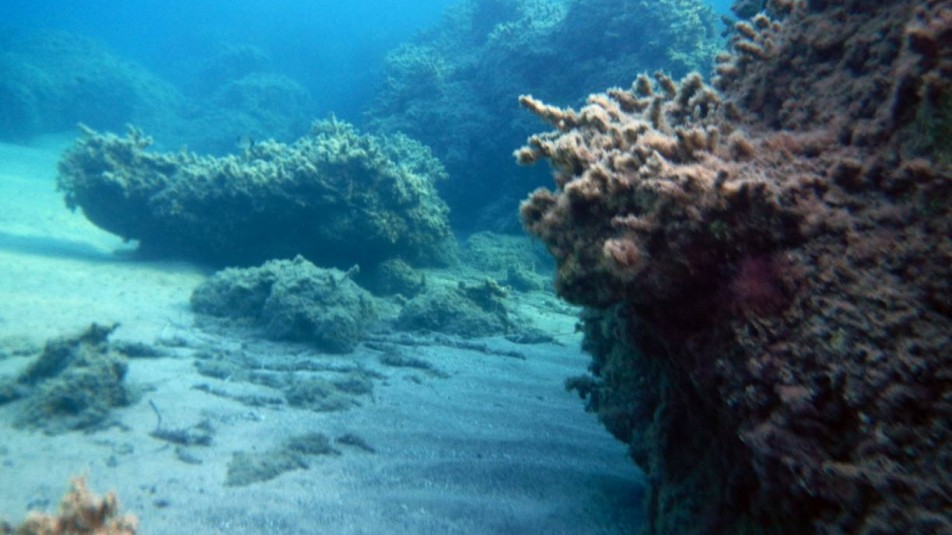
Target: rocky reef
{"x":454,"y":87}
{"x":467,"y":311}
{"x":337,"y":197}
{"x":767,"y":266}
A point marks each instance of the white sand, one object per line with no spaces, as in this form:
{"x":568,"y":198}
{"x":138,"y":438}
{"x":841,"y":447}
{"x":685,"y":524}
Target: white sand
{"x":496,"y":447}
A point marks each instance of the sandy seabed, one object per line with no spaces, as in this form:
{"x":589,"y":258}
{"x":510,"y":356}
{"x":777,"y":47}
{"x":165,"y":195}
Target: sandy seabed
{"x":491,"y":444}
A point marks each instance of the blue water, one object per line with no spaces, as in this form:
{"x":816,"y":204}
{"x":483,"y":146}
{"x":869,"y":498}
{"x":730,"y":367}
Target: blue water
{"x":334,"y":48}
{"x":721,"y":6}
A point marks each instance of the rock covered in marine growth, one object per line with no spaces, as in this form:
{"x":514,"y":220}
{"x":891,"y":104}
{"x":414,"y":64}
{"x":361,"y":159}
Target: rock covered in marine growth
{"x":291,"y":300}
{"x":468,"y":311}
{"x":337,"y":197}
{"x":768,"y":272}
{"x":50,"y":80}
{"x":73,"y":384}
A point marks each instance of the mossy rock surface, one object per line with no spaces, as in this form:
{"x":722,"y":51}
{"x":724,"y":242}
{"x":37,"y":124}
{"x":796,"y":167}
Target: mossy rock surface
{"x":395,"y":277}
{"x":291,"y":300}
{"x":336,"y":196}
{"x":469,"y":311}
{"x":73,"y":384}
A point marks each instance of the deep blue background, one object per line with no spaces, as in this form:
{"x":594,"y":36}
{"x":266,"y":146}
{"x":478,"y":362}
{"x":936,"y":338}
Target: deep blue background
{"x":334,"y":47}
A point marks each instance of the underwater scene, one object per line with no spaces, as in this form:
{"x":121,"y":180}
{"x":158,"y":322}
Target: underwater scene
{"x":657,"y":267}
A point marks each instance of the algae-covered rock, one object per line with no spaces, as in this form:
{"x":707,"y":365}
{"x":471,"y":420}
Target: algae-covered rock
{"x":497,"y":253}
{"x":337,"y":197}
{"x":246,"y":468}
{"x":72,"y":384}
{"x":321,"y":395}
{"x":523,"y":280}
{"x":465,"y":311}
{"x":395,"y":277}
{"x":773,"y":326}
{"x":292,"y":300}
{"x":237,"y":293}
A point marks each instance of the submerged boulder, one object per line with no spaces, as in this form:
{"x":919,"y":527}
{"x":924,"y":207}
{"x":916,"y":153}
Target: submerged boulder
{"x":291,"y":300}
{"x":337,"y":197}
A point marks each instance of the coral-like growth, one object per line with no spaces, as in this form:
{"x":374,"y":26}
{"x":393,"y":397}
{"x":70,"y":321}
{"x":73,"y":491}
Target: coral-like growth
{"x":453,"y":87}
{"x":73,"y":384}
{"x":770,"y":267}
{"x":337,"y":197}
{"x":80,"y":513}
{"x":660,"y":185}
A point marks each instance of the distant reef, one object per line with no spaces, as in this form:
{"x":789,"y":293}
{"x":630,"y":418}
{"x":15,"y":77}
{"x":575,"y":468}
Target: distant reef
{"x":291,"y":300}
{"x":768,"y":269}
{"x":50,"y":81}
{"x":336,"y":196}
{"x":455,"y":87}
{"x":237,"y":93}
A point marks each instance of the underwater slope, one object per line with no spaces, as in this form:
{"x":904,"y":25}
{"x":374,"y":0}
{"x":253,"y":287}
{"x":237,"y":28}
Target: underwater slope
{"x":768,"y":266}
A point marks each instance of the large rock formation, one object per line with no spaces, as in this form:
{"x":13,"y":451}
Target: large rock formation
{"x":769,"y":271}
{"x":337,"y":197}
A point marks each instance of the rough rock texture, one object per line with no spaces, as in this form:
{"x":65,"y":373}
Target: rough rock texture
{"x":394,"y":277}
{"x":770,"y":267}
{"x":292,"y":300}
{"x":468,"y":311}
{"x":337,"y":197}
{"x":72,"y":384}
{"x":454,"y":87}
